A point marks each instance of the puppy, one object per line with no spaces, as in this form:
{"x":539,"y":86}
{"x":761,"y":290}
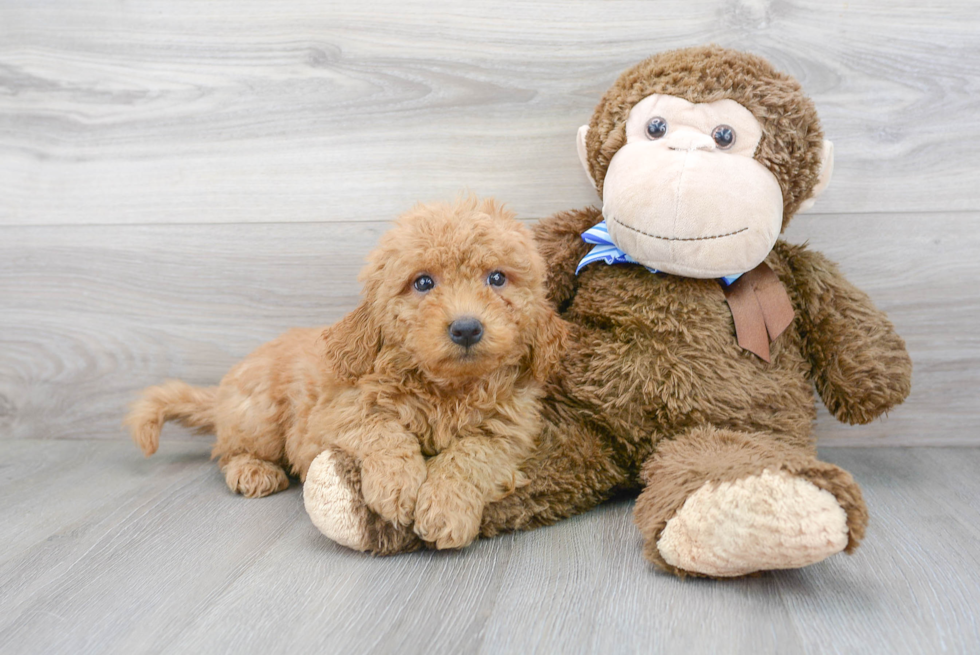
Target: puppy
{"x":432,"y":384}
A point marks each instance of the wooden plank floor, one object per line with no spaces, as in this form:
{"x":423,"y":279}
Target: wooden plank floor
{"x":104,"y":551}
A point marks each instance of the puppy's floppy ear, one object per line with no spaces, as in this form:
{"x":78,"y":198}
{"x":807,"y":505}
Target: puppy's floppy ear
{"x":548,"y":342}
{"x":352,"y":344}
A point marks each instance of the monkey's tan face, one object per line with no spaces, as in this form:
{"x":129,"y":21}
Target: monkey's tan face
{"x":684,"y":194}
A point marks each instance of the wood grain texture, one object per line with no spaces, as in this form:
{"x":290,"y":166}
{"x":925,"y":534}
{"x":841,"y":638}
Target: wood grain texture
{"x":301,"y":128}
{"x":923,"y":270}
{"x":91,"y":314}
{"x":156,"y":555}
{"x":182,"y":180}
{"x":249,"y":111}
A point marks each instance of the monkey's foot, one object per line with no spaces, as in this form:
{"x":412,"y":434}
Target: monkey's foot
{"x":774,"y":520}
{"x":333,"y":499}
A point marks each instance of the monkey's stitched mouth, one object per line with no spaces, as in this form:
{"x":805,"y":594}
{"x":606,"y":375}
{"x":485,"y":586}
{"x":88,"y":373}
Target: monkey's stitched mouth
{"x":662,"y":238}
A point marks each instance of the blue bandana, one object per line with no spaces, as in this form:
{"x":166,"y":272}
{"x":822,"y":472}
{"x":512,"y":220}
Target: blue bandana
{"x":605,"y":250}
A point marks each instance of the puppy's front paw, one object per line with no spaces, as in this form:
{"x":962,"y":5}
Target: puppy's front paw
{"x":390,"y":485}
{"x":447,"y":514}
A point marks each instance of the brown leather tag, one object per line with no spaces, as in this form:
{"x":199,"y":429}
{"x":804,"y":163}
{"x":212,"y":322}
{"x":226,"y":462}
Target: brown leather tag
{"x":761,"y":309}
{"x":750,"y":326}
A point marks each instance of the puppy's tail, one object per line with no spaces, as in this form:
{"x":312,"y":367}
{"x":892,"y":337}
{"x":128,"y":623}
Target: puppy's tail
{"x":173,"y":400}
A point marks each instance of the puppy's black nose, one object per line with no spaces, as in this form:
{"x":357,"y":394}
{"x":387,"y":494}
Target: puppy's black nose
{"x":466,"y":331}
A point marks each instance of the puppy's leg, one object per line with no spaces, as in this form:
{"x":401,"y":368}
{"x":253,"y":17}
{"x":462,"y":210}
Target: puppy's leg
{"x":392,"y":466}
{"x":462,"y":479}
{"x":252,"y":477}
{"x":250,"y":444}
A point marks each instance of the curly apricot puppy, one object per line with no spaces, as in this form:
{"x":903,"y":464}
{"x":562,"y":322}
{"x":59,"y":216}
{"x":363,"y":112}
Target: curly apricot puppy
{"x":432,"y":384}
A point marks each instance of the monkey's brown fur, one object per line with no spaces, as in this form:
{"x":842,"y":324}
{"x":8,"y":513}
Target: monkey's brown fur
{"x":655,"y":393}
{"x":654,"y":360}
{"x":791,"y":134}
{"x":436,"y":431}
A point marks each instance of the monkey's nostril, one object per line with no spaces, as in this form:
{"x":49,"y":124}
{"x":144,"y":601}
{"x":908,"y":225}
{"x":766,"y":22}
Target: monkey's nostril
{"x":466,"y":331}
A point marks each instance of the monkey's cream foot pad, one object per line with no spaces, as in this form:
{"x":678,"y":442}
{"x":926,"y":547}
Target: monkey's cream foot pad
{"x":769,"y":521}
{"x":334,"y":504}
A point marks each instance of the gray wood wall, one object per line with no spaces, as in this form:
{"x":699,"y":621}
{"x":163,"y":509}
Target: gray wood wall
{"x":182,"y":180}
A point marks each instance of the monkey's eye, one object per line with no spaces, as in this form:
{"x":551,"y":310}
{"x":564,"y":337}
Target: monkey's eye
{"x":497,"y":279}
{"x":724,"y":136}
{"x":423,"y":283}
{"x":656,"y":128}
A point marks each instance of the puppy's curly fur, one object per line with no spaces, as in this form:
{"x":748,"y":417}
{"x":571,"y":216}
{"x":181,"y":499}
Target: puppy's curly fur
{"x":440,"y":429}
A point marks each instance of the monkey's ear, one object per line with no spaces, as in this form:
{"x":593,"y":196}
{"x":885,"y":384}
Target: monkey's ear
{"x":583,"y":152}
{"x":826,"y":170}
{"x":351,"y":345}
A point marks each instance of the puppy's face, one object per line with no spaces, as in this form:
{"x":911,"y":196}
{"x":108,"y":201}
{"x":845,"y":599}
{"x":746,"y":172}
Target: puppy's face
{"x":458,"y":291}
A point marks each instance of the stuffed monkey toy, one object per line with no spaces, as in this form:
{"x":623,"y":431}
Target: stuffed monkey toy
{"x":699,"y":336}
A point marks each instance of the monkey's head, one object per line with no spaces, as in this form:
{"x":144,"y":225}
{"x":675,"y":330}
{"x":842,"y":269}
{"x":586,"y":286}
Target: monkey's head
{"x":701,"y":157}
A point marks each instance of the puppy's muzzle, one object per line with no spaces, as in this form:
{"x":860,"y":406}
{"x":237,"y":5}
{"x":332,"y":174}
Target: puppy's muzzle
{"x":466,"y":331}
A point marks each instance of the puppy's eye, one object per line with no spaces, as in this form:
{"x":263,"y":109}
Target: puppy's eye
{"x":497,"y":279}
{"x":724,"y":137}
{"x":423,"y":283}
{"x":656,"y":128}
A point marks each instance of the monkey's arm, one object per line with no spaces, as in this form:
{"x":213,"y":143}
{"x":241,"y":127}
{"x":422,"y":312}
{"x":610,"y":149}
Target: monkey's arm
{"x":860,"y":365}
{"x":559,"y":239}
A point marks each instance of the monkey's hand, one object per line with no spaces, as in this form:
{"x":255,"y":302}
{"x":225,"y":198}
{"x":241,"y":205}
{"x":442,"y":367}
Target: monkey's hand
{"x":559,"y":239}
{"x":860,"y":365}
